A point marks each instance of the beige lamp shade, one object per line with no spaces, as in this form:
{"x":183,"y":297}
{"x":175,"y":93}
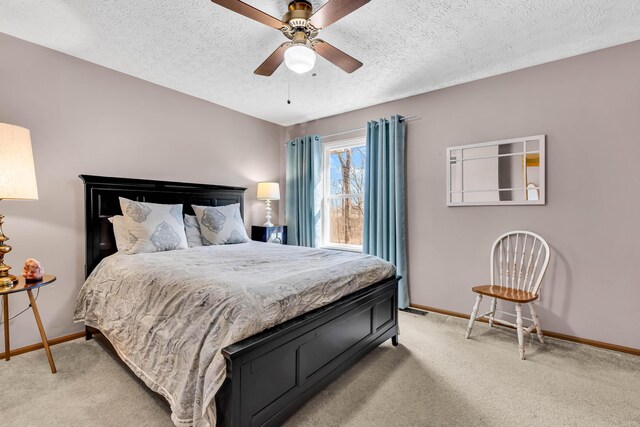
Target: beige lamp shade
{"x":268,"y":191}
{"x":17,"y":173}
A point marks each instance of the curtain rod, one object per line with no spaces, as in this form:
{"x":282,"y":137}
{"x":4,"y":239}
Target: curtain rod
{"x":406,"y":119}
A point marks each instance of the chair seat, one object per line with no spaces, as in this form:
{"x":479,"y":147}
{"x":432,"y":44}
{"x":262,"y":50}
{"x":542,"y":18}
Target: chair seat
{"x":507,"y":294}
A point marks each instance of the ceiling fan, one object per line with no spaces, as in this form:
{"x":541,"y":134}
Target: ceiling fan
{"x":301,"y":26}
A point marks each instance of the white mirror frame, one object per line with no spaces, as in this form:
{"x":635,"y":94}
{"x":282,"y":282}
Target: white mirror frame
{"x":540,"y":139}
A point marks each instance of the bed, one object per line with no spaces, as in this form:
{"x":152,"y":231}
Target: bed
{"x":314,"y":333}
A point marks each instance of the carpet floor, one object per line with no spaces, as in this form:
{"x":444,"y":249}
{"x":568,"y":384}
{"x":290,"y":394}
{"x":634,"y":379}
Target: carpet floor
{"x":433,"y":378}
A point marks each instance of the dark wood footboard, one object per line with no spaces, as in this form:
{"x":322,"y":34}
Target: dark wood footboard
{"x":272,"y":374}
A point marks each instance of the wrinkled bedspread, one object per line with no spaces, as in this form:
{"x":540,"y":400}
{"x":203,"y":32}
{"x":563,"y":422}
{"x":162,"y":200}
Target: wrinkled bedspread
{"x":169,"y":314}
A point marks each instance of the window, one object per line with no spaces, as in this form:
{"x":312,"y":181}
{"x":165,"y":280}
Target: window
{"x":343,"y":201}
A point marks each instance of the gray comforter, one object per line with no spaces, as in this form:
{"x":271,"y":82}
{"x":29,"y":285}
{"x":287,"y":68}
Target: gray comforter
{"x":169,"y":314}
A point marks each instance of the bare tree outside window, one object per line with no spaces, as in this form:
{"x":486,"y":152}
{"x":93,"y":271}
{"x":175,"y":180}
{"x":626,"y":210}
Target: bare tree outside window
{"x":346,"y":198}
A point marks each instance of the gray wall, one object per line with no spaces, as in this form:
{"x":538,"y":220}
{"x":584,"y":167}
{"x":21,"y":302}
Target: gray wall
{"x":88,"y":119}
{"x":589,"y":108}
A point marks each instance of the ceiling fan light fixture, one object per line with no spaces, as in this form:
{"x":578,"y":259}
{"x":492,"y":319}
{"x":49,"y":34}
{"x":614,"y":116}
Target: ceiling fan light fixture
{"x":299,"y":58}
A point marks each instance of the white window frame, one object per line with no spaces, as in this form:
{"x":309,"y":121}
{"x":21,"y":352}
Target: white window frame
{"x":326,"y":191}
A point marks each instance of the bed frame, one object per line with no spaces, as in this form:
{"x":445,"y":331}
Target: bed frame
{"x":272,"y":374}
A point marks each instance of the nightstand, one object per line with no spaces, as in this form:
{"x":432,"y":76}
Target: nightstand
{"x":275,"y":234}
{"x":22,"y":286}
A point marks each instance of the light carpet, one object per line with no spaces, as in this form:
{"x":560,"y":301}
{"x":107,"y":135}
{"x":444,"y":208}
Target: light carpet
{"x":434,"y":378}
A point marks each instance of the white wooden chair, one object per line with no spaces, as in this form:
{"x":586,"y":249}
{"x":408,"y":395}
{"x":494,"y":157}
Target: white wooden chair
{"x":519,"y":260}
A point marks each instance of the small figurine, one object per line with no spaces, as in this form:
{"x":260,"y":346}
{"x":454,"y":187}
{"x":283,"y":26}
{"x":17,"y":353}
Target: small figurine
{"x":32,"y":270}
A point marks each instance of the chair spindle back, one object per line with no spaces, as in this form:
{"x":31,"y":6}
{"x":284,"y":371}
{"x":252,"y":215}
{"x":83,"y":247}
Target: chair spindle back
{"x":519,"y":260}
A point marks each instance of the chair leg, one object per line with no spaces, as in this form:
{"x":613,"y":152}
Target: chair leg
{"x":474,"y":313}
{"x":493,"y":312}
{"x":536,"y":321}
{"x":520,"y":330}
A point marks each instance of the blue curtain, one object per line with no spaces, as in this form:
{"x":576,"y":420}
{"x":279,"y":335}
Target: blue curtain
{"x":303,"y":195}
{"x":385,"y":227}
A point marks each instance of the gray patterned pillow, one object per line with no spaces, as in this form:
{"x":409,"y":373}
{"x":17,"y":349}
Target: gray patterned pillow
{"x":192,"y":230}
{"x":153,"y":227}
{"x":220,"y":225}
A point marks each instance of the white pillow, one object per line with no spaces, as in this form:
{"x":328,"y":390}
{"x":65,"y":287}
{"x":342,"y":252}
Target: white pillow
{"x":120,"y":232}
{"x":192,"y":230}
{"x":221,"y":225}
{"x":153,"y":227}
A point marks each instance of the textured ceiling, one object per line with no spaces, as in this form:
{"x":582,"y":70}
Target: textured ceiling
{"x":407,"y":47}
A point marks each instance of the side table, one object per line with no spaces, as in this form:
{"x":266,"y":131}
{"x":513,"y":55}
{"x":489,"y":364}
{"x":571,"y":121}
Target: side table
{"x":22,"y":286}
{"x":271,"y":234}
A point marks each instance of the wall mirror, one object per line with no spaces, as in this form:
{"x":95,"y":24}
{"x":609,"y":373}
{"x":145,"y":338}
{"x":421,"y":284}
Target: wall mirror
{"x":508,"y":172}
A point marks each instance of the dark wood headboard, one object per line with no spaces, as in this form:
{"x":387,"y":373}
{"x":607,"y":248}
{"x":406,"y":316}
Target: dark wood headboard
{"x":101,"y":202}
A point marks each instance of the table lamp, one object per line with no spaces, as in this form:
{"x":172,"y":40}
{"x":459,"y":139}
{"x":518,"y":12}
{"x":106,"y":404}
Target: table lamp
{"x":268,"y":191}
{"x":17,"y":181}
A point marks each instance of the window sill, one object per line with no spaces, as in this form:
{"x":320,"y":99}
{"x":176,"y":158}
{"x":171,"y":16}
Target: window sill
{"x":346,"y":248}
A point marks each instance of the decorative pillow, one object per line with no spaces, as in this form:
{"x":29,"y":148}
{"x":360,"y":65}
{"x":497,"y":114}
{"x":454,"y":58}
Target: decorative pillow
{"x":152,"y":227}
{"x":120,"y":232}
{"x":221,"y":225}
{"x":192,"y":230}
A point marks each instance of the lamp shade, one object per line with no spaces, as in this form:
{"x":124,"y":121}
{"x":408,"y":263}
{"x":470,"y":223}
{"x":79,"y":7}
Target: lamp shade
{"x":268,"y":191}
{"x":17,"y":173}
{"x":299,"y":58}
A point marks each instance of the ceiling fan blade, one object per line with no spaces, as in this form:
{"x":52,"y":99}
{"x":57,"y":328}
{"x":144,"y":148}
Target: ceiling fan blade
{"x":272,"y":63}
{"x":333,"y":10}
{"x":336,"y":56}
{"x":250,"y":12}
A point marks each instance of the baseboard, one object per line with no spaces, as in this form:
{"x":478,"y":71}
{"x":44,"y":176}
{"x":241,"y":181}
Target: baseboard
{"x":38,"y":346}
{"x":594,"y":343}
